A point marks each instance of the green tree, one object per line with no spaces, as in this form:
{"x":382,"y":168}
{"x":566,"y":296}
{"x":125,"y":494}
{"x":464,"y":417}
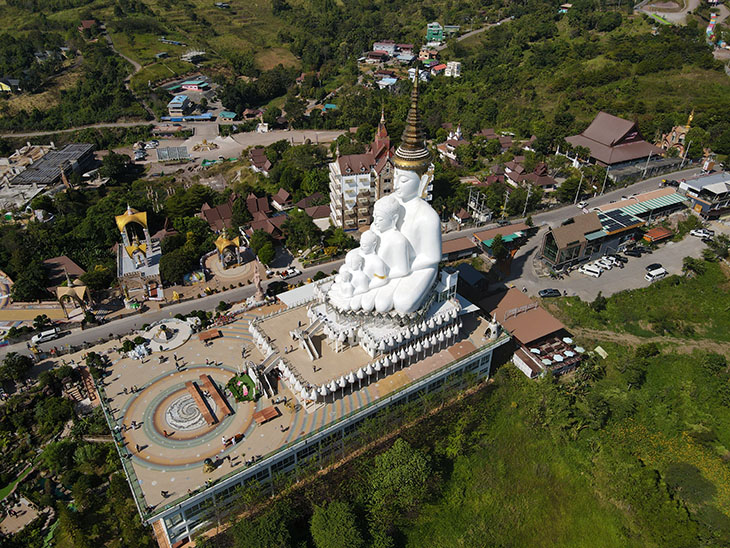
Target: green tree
{"x":499,"y":249}
{"x":31,"y":283}
{"x":40,"y":322}
{"x":98,"y":278}
{"x":258,"y":239}
{"x":269,"y":530}
{"x":301,"y":232}
{"x":266,"y":253}
{"x":58,"y":455}
{"x":15,"y":366}
{"x":114,"y":166}
{"x":176,"y":264}
{"x":334,"y":526}
{"x":398,"y":482}
{"x":241,"y":216}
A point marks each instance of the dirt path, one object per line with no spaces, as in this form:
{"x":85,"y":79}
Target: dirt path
{"x":685,"y":346}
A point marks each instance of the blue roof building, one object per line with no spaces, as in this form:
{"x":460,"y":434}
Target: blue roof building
{"x":178,"y":105}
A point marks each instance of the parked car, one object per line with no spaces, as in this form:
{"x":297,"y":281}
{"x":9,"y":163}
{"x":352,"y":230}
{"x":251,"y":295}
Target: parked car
{"x":632,"y":252}
{"x":604,"y":263}
{"x":653,"y":266}
{"x":702,"y":233}
{"x":616,"y":260}
{"x":581,"y":205}
{"x":590,"y":270}
{"x":276,"y":287}
{"x":656,"y":274}
{"x":503,"y":222}
{"x":290,"y":272}
{"x":45,"y":336}
{"x":545,"y":293}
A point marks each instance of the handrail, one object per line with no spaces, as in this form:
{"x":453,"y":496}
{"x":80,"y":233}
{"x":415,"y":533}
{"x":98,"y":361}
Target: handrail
{"x":180,"y":500}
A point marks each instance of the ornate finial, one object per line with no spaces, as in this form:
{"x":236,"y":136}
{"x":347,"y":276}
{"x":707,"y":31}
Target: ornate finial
{"x":691,"y":117}
{"x":382,"y":114}
{"x":412,"y":154}
{"x":68,"y":278}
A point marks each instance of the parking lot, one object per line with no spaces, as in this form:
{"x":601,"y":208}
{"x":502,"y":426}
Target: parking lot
{"x":670,"y":255}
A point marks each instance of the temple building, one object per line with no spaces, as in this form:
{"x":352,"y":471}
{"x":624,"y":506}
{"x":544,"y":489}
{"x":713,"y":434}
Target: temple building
{"x":675,"y":139}
{"x":138,"y":257}
{"x":357,"y":180}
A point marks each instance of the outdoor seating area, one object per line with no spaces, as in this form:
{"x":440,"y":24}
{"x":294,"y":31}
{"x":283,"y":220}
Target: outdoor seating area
{"x":266,"y":414}
{"x":557,"y":354}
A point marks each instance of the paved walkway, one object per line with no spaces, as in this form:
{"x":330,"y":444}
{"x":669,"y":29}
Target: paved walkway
{"x":26,"y":513}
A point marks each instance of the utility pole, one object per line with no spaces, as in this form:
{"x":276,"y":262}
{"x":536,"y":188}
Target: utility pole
{"x":529,"y":190}
{"x":643,"y":175}
{"x":605,"y":179}
{"x":504,"y":208}
{"x":579,"y":185}
{"x":684,"y":158}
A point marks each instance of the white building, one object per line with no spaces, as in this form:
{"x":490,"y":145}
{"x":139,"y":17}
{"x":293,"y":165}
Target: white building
{"x":388,"y":46}
{"x":352,"y":183}
{"x":453,"y":69}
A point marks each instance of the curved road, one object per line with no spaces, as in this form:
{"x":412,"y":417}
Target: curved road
{"x":126,"y":325}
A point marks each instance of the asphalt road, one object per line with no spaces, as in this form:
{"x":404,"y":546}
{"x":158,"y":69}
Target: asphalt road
{"x":551,"y":218}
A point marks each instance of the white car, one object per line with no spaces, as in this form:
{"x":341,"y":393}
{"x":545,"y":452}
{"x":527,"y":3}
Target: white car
{"x":604,"y":263}
{"x":45,"y":336}
{"x":581,"y":205}
{"x":590,"y":270}
{"x":701,"y":233}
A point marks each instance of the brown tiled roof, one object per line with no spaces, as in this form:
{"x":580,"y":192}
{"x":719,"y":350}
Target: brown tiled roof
{"x":658,"y":233}
{"x":218,"y":217}
{"x":462,"y":214}
{"x":486,"y":235}
{"x":613,"y":140}
{"x":488,"y":133}
{"x":318,"y":212}
{"x":258,"y":158}
{"x":356,"y":163}
{"x":459,"y":244}
{"x":526,"y":325}
{"x":254,"y":204}
{"x":308,"y":201}
{"x":281,"y":197}
{"x":55,"y":269}
{"x":539,"y":180}
{"x":576,"y":230}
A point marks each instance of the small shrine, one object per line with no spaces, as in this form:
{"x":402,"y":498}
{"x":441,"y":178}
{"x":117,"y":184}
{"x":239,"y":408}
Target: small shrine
{"x":229,"y":251}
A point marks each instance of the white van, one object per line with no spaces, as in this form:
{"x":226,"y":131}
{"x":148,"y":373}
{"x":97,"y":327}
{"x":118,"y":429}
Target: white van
{"x":590,"y":270}
{"x":45,"y":336}
{"x":654,"y":275}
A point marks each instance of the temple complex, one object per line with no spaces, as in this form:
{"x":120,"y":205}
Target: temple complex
{"x":289,"y":384}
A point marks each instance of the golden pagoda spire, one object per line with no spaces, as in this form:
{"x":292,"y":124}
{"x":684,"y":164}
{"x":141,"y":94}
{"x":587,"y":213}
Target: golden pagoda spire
{"x":412,"y":154}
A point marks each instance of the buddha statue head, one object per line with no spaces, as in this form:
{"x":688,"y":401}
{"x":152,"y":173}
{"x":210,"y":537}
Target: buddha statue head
{"x":412,"y":161}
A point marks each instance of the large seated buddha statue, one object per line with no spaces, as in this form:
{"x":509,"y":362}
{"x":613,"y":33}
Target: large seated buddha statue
{"x":406,"y":236}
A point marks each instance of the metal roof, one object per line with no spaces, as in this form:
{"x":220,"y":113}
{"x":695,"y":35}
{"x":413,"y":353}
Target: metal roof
{"x":165,"y":154}
{"x":654,"y":203}
{"x":47,"y":170}
{"x":617,"y":220}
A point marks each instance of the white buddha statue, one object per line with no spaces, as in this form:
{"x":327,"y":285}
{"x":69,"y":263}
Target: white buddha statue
{"x":408,"y":285}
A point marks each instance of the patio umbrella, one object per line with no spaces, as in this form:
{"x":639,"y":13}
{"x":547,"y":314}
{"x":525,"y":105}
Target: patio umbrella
{"x":426,"y":344}
{"x":304,"y":394}
{"x":369,"y":369}
{"x":313,"y":394}
{"x":351,"y":378}
{"x":410,"y":350}
{"x":430,"y":323}
{"x":381,"y":346}
{"x":558,"y":358}
{"x":569,"y":353}
{"x":402,"y":354}
{"x":298,"y":386}
{"x":535,"y":350}
{"x":386,"y":362}
{"x":433,"y":340}
{"x":419,"y":347}
{"x":414,"y":330}
{"x":580,"y":349}
{"x":422,"y":326}
{"x":378,"y":365}
{"x":281,"y":366}
{"x":441,"y":337}
{"x":407,"y":334}
{"x":333,"y":388}
{"x":545,"y":361}
{"x":567,"y":340}
{"x":360,"y":377}
{"x":342,"y":382}
{"x":323,"y":391}
{"x":439,"y":320}
{"x":342,"y":337}
{"x":399,"y":338}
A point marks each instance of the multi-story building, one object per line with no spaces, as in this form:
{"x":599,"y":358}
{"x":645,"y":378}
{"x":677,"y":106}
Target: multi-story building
{"x":453,"y":69}
{"x":358,"y":180}
{"x":434,"y":32}
{"x":708,"y":194}
{"x":178,"y":105}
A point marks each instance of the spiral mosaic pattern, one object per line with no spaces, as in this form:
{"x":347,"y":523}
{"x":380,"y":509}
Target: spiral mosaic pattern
{"x":183,"y":414}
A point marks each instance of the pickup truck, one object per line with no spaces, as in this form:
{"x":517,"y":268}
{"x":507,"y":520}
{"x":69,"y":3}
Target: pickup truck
{"x":290,"y":272}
